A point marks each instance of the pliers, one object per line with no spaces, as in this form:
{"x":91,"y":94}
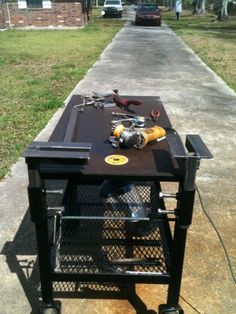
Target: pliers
{"x":154,"y":115}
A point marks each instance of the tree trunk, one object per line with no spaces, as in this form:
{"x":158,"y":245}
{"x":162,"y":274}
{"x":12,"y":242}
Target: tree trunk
{"x":223,"y":11}
{"x":197,"y":6}
{"x":202,"y":9}
{"x":170,"y":2}
{"x":194,"y":4}
{"x":226,"y":2}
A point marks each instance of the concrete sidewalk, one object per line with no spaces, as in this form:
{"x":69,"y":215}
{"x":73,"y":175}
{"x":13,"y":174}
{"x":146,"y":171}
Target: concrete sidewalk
{"x":146,"y":61}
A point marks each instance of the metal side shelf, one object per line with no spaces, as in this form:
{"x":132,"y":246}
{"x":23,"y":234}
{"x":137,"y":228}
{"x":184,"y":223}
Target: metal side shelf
{"x":96,"y":242}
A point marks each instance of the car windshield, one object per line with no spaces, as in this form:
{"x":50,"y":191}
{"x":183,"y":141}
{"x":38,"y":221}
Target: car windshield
{"x":112,"y":2}
{"x":150,"y":8}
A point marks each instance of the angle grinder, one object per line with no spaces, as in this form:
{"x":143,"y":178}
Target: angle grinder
{"x":135,"y":137}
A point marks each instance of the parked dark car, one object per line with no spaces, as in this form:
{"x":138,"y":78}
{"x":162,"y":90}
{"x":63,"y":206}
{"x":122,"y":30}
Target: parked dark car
{"x":148,"y":13}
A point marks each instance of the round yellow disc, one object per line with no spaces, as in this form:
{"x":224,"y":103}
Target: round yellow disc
{"x":116,"y":160}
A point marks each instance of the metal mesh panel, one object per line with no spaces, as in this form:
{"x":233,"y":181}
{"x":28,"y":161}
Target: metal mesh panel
{"x":85,"y":286}
{"x":108,"y":246}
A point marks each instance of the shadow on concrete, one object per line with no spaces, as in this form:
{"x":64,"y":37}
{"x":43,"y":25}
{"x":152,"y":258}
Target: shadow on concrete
{"x":21,"y":258}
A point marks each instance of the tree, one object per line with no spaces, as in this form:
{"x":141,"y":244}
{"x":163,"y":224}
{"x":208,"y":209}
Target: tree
{"x":199,"y":7}
{"x":223,"y":9}
{"x":202,"y":9}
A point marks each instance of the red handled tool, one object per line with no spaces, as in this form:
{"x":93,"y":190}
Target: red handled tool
{"x":124,"y":103}
{"x":154,"y":115}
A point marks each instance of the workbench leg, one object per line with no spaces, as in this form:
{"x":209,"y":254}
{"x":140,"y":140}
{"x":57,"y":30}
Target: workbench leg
{"x":177,"y":261}
{"x":49,"y":305}
{"x":185,"y":210}
{"x":134,"y":299}
{"x":37,"y":204}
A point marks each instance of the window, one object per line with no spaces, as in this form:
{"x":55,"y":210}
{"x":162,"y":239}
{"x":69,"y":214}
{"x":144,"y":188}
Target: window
{"x":34,"y":3}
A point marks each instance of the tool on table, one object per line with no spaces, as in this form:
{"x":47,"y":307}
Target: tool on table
{"x":124,"y":137}
{"x":88,"y":101}
{"x":127,"y":115}
{"x":154,"y":115}
{"x":124,"y":103}
{"x":99,"y":101}
{"x":107,"y":100}
{"x":138,"y":120}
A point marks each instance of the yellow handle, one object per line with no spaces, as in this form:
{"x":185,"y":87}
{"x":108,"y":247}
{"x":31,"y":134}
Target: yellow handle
{"x":154,"y":133}
{"x":118,"y":130}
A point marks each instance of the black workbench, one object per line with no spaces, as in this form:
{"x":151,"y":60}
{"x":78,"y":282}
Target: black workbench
{"x":83,"y":239}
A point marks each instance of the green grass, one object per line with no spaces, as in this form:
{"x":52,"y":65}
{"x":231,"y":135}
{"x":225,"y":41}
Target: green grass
{"x":40,"y":68}
{"x":38,"y":71}
{"x":214,"y":41}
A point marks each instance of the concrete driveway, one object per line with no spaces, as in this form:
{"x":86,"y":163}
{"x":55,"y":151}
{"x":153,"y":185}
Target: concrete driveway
{"x":146,"y":61}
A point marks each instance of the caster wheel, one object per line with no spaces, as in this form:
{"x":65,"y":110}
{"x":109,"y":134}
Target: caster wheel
{"x":54,"y":308}
{"x":50,"y":311}
{"x":164,"y":309}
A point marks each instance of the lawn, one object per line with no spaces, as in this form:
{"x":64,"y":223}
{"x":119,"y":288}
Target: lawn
{"x":38,"y":71}
{"x":40,"y":68}
{"x":214,"y":41}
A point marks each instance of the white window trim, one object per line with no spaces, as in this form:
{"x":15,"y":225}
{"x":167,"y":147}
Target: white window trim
{"x":47,"y":4}
{"x":22,"y":4}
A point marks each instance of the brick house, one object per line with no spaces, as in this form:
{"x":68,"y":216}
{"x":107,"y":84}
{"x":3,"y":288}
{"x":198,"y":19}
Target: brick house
{"x":42,"y":13}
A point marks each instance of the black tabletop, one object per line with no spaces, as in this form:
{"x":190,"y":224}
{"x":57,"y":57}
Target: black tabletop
{"x":93,"y":125}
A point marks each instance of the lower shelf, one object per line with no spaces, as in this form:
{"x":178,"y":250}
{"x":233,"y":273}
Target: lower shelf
{"x":110,"y":249}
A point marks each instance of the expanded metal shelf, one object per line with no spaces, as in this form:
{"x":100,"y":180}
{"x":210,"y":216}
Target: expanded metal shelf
{"x":107,"y":243}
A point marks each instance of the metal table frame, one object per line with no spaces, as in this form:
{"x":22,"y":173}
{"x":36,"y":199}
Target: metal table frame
{"x":44,"y":166}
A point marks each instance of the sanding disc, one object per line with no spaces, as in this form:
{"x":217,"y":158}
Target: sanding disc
{"x":116,"y":160}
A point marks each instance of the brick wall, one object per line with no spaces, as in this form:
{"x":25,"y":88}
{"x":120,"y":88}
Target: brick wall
{"x":2,"y":16}
{"x":61,"y":14}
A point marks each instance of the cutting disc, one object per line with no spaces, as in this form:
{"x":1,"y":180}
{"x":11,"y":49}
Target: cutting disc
{"x":116,"y":160}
